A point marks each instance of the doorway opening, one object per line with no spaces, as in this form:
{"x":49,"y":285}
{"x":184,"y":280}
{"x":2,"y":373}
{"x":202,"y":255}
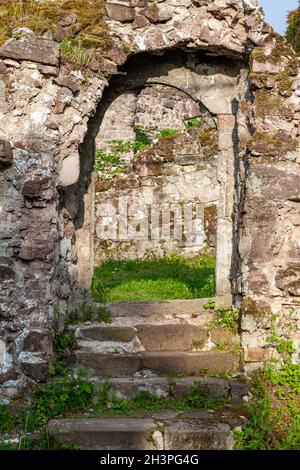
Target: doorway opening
{"x":162,"y":187}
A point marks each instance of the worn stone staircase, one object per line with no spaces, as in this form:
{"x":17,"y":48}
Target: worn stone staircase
{"x":162,"y":348}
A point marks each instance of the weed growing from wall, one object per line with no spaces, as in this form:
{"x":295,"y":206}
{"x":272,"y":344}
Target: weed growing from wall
{"x":223,"y":317}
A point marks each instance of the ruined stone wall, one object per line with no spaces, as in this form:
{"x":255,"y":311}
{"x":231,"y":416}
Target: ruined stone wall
{"x":166,"y":198}
{"x":46,"y":154}
{"x":119,"y":120}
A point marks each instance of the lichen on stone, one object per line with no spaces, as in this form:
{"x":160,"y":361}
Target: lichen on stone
{"x":249,"y":307}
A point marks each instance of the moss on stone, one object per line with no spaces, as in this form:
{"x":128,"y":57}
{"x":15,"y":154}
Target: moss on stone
{"x":262,"y":78}
{"x":88,"y":26}
{"x":269,"y":104}
{"x":284,"y":84}
{"x":258,"y":55}
{"x":272,"y":144}
{"x":279,"y":54}
{"x":207,"y":136}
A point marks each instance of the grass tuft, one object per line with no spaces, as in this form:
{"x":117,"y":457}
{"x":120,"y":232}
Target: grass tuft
{"x":44,"y":15}
{"x":171,"y":277}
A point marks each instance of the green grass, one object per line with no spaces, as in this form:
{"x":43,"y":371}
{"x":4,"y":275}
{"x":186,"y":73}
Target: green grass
{"x":171,"y":277}
{"x":274,"y":413}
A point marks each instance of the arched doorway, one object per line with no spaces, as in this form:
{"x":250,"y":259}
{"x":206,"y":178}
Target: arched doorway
{"x":210,"y":84}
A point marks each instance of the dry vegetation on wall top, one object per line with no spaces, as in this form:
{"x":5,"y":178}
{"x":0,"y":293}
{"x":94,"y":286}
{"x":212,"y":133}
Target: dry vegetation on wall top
{"x":75,"y":19}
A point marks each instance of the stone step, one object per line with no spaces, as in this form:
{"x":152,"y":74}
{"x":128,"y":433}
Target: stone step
{"x":179,"y":387}
{"x":186,"y":307}
{"x":167,"y":431}
{"x":154,"y":337}
{"x":106,"y":433}
{"x":123,"y":365}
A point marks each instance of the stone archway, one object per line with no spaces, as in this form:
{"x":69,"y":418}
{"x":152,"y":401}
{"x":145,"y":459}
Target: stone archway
{"x":203,"y":79}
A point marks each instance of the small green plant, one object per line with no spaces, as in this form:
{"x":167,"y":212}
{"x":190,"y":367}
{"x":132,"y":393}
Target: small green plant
{"x":210,"y":305}
{"x":142,"y":138}
{"x":103,"y":314}
{"x":68,"y":394}
{"x":193,"y":122}
{"x":110,"y":163}
{"x":76,"y":52}
{"x":16,"y":35}
{"x":283,"y":345}
{"x":63,"y":341}
{"x":112,"y":160}
{"x":232,"y":347}
{"x":274,"y":411}
{"x":226,"y":317}
{"x":8,"y":420}
{"x":168,"y":132}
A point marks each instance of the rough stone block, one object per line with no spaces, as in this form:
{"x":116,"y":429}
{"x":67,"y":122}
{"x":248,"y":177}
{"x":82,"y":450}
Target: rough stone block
{"x":164,"y":307}
{"x":37,"y":341}
{"x":165,"y":13}
{"x":116,"y":365}
{"x":198,"y":436}
{"x":171,"y":337}
{"x":151,"y":14}
{"x":6,"y":273}
{"x":6,"y":154}
{"x":106,"y":333}
{"x":258,"y":354}
{"x":106,"y":433}
{"x":70,"y":170}
{"x":38,"y":242}
{"x":126,"y":388}
{"x":211,"y":387}
{"x":118,"y":12}
{"x":33,"y":49}
{"x":140,"y":21}
{"x":35,"y":187}
{"x":223,"y":335}
{"x":34,"y":366}
{"x":191,"y":363}
{"x":239,"y":389}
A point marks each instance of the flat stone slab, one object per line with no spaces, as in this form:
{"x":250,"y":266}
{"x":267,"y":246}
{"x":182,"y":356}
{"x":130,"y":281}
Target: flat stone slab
{"x":127,"y":388}
{"x":179,"y":387}
{"x":33,"y":49}
{"x":106,"y":333}
{"x":198,"y":435}
{"x":164,"y":307}
{"x":115,"y":365}
{"x":211,"y":387}
{"x":192,"y":363}
{"x":223,"y":336}
{"x":106,"y":433}
{"x":171,"y":337}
